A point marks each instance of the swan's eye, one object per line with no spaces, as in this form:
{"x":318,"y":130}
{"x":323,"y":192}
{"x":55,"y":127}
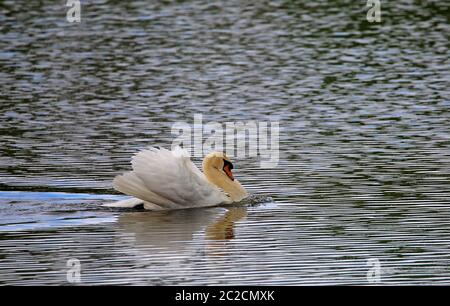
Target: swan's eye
{"x":227,"y":167}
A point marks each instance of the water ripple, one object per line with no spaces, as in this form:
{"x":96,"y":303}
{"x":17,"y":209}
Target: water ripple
{"x":364,"y":148}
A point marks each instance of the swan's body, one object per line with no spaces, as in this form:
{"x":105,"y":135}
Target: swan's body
{"x":163,"y":179}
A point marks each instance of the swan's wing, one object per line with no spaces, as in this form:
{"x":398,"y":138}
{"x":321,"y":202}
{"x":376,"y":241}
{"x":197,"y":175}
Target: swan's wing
{"x":169,"y":179}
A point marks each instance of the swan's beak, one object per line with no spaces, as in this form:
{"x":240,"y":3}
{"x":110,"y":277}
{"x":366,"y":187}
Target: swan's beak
{"x":227,"y":169}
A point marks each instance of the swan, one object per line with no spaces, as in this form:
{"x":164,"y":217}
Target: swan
{"x":167,"y":179}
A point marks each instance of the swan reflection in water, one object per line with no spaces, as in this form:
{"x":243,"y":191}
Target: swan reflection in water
{"x":180,"y":231}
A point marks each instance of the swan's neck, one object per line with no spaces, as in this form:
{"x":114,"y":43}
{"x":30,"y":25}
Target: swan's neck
{"x":221,"y":180}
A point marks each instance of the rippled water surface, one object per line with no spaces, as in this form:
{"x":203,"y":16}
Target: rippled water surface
{"x":364,"y":166}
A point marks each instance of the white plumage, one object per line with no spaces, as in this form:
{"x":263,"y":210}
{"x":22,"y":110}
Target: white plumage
{"x":163,"y":179}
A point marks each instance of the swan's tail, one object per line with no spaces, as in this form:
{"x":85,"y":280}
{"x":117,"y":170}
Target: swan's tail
{"x":129,"y":183}
{"x":128,"y":203}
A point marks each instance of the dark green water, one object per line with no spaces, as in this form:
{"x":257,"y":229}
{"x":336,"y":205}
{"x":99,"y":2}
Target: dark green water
{"x":364,"y":165}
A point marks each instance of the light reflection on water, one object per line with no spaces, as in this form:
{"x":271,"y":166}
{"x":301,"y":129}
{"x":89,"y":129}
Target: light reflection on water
{"x":364,"y":148}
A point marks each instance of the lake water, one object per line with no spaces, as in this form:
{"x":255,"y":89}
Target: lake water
{"x":363,"y":180}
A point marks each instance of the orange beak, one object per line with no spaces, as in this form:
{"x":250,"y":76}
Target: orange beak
{"x":227,"y":170}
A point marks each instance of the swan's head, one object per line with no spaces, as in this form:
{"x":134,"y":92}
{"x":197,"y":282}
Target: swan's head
{"x":218,"y":161}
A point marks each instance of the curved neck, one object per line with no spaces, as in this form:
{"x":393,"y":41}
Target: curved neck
{"x":221,"y":180}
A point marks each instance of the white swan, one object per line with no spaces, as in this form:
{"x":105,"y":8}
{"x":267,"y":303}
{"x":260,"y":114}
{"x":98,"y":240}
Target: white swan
{"x":163,"y":179}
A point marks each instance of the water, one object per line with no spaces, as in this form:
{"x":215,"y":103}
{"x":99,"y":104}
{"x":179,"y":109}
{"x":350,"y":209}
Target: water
{"x":364,"y":149}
